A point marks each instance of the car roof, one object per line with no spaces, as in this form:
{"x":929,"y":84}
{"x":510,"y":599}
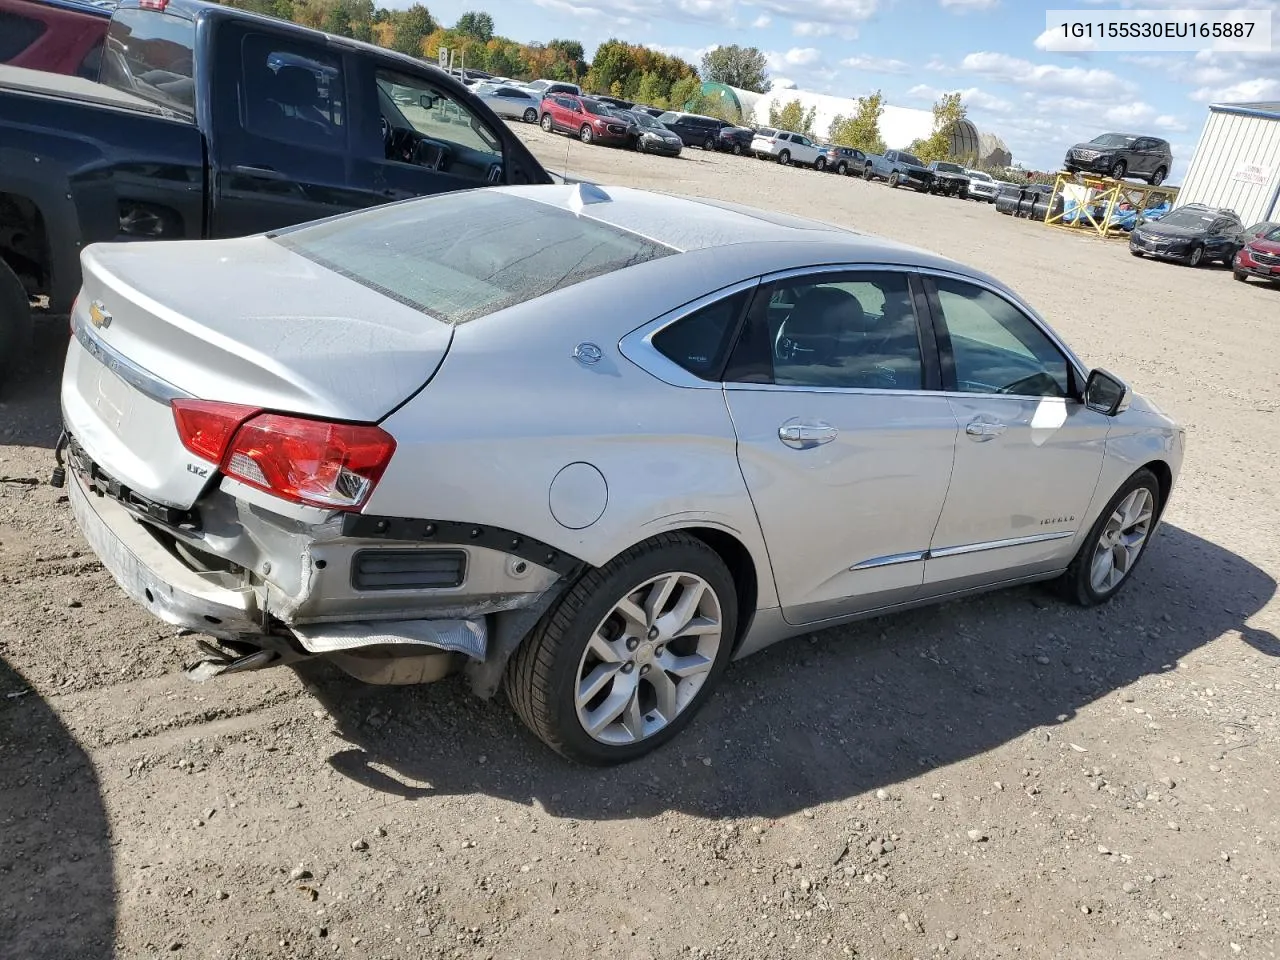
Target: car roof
{"x":690,"y":224}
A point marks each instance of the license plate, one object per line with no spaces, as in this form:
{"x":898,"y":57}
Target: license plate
{"x":114,"y":400}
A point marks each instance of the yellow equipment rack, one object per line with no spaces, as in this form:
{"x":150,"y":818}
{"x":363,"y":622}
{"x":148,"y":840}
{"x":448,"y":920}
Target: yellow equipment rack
{"x":1097,"y":199}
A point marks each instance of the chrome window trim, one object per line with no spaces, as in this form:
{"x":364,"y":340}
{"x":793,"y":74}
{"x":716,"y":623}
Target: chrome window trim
{"x":637,"y":346}
{"x":142,"y":380}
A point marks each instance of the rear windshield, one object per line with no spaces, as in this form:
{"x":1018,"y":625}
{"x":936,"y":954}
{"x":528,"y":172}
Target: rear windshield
{"x":16,"y":34}
{"x":459,"y":256}
{"x":150,"y":54}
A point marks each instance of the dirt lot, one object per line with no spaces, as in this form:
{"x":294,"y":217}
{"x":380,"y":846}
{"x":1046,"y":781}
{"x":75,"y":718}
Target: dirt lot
{"x":1005,"y":777}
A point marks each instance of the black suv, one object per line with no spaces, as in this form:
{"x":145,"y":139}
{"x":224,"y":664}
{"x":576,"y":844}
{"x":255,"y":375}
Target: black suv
{"x":1121,"y":155}
{"x":692,"y":129}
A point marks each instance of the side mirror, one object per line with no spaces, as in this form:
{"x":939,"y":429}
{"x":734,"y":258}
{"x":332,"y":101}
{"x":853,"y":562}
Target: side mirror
{"x":426,"y":101}
{"x":1140,"y":221}
{"x":1106,"y":393}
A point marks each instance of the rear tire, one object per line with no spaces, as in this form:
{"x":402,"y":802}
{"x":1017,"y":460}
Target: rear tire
{"x":784,"y":157}
{"x":15,"y":324}
{"x":1081,"y":584}
{"x":820,"y":164}
{"x":545,"y":675}
{"x":708,"y":144}
{"x":842,"y":168}
{"x":546,"y":123}
{"x":531,"y":115}
{"x":737,"y":149}
{"x":1157,"y":178}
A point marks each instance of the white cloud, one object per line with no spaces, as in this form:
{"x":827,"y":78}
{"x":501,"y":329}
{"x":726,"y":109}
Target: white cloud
{"x":762,"y":21}
{"x":972,"y":97}
{"x":795,"y":57}
{"x":1167,"y":121}
{"x":1258,"y":88}
{"x":1053,"y":40}
{"x":693,"y":55}
{"x":810,"y":28}
{"x":938,"y":65}
{"x":963,"y":6}
{"x":1046,"y":77}
{"x":841,"y":13}
{"x":877,"y":65}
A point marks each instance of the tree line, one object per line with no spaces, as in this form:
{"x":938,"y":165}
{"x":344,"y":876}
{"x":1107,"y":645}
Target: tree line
{"x":621,"y":69}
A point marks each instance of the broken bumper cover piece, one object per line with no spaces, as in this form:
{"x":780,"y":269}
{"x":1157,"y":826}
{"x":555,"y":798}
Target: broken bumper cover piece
{"x":456,"y":636}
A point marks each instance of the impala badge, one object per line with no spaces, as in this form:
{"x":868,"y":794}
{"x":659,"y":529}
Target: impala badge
{"x":98,"y":315}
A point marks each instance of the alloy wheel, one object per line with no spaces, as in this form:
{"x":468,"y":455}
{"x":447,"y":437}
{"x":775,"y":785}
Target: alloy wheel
{"x":531,"y":115}
{"x":1122,"y":540}
{"x":648,"y":658}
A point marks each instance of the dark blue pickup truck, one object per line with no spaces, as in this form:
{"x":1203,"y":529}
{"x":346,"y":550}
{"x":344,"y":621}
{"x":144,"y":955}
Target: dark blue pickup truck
{"x":207,"y":121}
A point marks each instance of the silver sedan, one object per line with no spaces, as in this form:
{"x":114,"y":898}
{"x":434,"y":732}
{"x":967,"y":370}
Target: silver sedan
{"x":510,"y":101}
{"x":590,"y":443}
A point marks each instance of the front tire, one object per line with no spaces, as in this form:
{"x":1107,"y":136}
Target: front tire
{"x":893,"y":179}
{"x":1115,"y":544}
{"x":737,"y":149}
{"x":1118,"y":170}
{"x":531,"y":115}
{"x":15,"y":324}
{"x":1240,"y":275}
{"x":585,"y":134}
{"x":1196,"y":255}
{"x":546,"y":122}
{"x":629,"y":654}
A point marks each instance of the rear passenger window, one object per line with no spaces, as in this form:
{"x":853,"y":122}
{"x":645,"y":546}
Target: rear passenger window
{"x":700,"y":341}
{"x":16,"y":34}
{"x":292,"y":94}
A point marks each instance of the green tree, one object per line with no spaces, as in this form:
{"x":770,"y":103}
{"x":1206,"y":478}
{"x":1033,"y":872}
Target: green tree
{"x":476,"y":24}
{"x":571,"y":55}
{"x":337,"y":20}
{"x":410,"y":28}
{"x":742,"y":67}
{"x":947,"y":112}
{"x":862,"y":130}
{"x":684,"y":92}
{"x":793,"y":116}
{"x":652,"y":90}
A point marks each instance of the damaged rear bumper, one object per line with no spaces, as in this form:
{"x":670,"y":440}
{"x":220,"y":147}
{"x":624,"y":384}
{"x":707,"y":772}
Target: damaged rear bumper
{"x":338,"y":597}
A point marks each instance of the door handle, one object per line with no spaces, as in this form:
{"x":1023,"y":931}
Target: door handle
{"x":262,"y":173}
{"x":983,"y":430}
{"x":804,"y":434}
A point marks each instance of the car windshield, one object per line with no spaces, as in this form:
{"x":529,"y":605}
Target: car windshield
{"x":642,"y":119}
{"x":1187,"y":217}
{"x":595,"y":107}
{"x":766,"y":132}
{"x":950,"y":168}
{"x":1262,"y":228}
{"x":908,"y":158}
{"x":1113,"y":140}
{"x":1272,"y":234}
{"x":485,"y":251}
{"x":979,"y":175}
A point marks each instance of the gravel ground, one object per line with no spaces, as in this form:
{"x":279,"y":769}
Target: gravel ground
{"x":1002,"y":777}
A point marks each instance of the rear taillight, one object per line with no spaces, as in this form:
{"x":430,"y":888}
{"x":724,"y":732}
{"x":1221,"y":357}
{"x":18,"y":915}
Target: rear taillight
{"x":207,"y":426}
{"x":322,"y":464}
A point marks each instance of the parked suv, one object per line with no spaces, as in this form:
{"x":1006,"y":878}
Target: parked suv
{"x":587,"y":119}
{"x":735,"y":140}
{"x":693,"y":129}
{"x":1192,"y":234}
{"x":841,"y":160}
{"x":1121,"y":155}
{"x":56,"y":36}
{"x":785,"y":146}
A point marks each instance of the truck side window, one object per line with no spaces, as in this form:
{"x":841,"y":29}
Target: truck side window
{"x":426,"y":127}
{"x":150,"y":54}
{"x":292,"y":93}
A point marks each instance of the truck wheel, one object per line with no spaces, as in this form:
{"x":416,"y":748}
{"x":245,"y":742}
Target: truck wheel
{"x":893,"y":179}
{"x":15,"y":323}
{"x":868,"y":173}
{"x":546,"y":122}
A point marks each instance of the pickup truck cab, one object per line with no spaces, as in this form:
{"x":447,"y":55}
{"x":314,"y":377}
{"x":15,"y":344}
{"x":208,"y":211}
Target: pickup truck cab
{"x":900,"y":169}
{"x":213,"y":122}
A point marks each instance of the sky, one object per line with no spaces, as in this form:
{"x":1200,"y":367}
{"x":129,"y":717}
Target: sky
{"x":1039,"y":102}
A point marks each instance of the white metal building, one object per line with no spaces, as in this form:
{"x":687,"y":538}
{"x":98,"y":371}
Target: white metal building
{"x":1237,"y":161}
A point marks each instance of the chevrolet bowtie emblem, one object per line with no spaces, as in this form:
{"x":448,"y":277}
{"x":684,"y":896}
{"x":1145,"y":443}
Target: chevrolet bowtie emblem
{"x":98,"y":315}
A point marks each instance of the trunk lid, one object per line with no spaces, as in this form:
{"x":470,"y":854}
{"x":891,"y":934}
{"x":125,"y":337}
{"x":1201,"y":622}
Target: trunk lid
{"x":243,"y":321}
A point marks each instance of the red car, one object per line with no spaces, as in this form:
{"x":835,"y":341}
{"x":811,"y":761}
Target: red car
{"x":57,"y":36}
{"x":1260,"y":255}
{"x":583,"y":117}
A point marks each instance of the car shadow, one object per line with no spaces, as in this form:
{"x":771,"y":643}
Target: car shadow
{"x":30,"y":413}
{"x":57,"y":887}
{"x":830,"y":716}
